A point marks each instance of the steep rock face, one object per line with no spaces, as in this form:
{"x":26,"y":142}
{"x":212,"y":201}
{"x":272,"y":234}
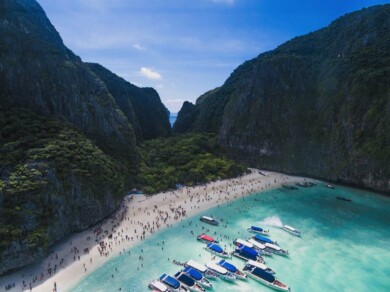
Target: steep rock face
{"x":67,"y":147}
{"x":185,"y":118}
{"x":318,"y":105}
{"x":38,"y":72}
{"x":53,"y":181}
{"x":142,"y":106}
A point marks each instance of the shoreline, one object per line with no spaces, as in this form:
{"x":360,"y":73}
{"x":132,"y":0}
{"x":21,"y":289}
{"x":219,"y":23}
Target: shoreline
{"x":139,"y":216}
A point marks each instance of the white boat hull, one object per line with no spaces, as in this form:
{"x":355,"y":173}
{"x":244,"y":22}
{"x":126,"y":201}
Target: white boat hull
{"x":291,"y":232}
{"x":264,"y":232}
{"x":241,"y":276}
{"x":221,"y":255}
{"x":266,"y":283}
{"x":260,"y":260}
{"x":277,"y":252}
{"x":210,"y":275}
{"x":205,"y":283}
{"x":230,"y":278}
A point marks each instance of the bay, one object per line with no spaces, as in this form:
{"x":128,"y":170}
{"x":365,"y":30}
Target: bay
{"x":344,"y":245}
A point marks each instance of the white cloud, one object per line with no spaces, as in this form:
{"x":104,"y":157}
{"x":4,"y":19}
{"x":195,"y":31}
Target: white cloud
{"x":138,"y":47}
{"x":150,"y":73}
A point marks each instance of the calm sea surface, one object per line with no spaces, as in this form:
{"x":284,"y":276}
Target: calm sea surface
{"x":345,"y":246}
{"x":172,"y":118}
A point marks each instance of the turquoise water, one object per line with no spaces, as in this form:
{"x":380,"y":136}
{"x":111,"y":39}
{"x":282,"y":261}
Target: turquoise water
{"x":344,"y":246}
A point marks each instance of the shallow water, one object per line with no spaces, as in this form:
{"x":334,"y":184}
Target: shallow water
{"x":344,"y":245}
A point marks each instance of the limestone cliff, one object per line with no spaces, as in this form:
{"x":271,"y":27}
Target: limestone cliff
{"x":142,"y":106}
{"x":68,"y":149}
{"x":318,"y":105}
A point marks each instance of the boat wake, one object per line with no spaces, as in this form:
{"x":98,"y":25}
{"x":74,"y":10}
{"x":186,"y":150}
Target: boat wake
{"x":272,"y":221}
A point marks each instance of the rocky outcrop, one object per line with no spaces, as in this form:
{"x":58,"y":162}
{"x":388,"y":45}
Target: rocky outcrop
{"x":142,"y":106}
{"x":38,"y":72}
{"x":68,"y":148}
{"x":186,"y":118}
{"x":318,"y":105}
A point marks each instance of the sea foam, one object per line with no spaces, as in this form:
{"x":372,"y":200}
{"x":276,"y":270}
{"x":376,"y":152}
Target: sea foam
{"x":272,"y":221}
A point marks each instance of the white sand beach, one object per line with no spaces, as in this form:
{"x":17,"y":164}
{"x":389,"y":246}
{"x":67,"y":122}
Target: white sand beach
{"x":138,"y":217}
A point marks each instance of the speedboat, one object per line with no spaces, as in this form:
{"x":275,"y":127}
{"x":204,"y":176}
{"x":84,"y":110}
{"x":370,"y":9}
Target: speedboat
{"x":189,"y":282}
{"x":202,"y":269}
{"x":246,"y":253}
{"x":265,"y":278}
{"x":329,"y":186}
{"x":221,"y":272}
{"x":291,"y":230}
{"x":215,"y":249}
{"x":259,"y":247}
{"x":232,"y":269}
{"x":258,"y":230}
{"x":239,"y":241}
{"x":260,"y":266}
{"x":209,"y":220}
{"x":206,"y":239}
{"x":263,"y":239}
{"x":156,"y":285}
{"x":173,"y":284}
{"x":198,"y":277}
{"x":276,"y":249}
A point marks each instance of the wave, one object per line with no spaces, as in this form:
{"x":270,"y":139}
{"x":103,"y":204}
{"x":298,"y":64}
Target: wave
{"x":272,"y":221}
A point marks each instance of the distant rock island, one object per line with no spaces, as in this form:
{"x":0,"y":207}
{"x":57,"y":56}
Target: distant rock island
{"x":318,"y":105}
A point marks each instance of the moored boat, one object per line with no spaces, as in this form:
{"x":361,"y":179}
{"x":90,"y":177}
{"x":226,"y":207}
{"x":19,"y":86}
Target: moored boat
{"x":221,"y":272}
{"x":291,"y":230}
{"x":263,"y":239}
{"x":329,"y":186}
{"x":156,"y":285}
{"x":288,"y":187}
{"x":239,"y":241}
{"x":259,"y":247}
{"x":258,"y":230}
{"x":206,"y":238}
{"x":173,"y":284}
{"x":343,"y":199}
{"x":265,"y":278}
{"x":209,"y":220}
{"x":232,"y":269}
{"x":260,"y":266}
{"x":246,"y":253}
{"x":198,"y":277}
{"x":202,"y":269}
{"x":276,"y":249}
{"x":188,"y":282}
{"x":215,"y":249}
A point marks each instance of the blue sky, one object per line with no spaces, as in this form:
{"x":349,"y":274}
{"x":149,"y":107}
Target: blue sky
{"x":184,"y":48}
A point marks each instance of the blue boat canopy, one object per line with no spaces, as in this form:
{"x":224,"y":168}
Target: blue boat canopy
{"x":193,"y":273}
{"x":258,"y":237}
{"x":263,"y":274}
{"x":228,"y":266}
{"x":247,"y":252}
{"x":215,"y":247}
{"x":185,"y":279}
{"x":257,"y":228}
{"x":170,"y":281}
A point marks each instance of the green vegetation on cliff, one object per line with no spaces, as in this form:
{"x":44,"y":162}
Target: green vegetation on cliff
{"x":317,"y":105}
{"x":184,"y":159}
{"x":42,"y":161}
